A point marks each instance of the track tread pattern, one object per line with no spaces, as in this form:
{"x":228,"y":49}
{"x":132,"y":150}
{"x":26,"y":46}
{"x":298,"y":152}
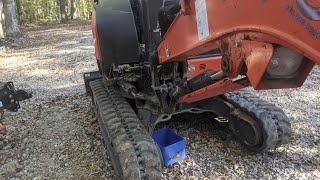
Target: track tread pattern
{"x":131,"y":149}
{"x":275,"y":124}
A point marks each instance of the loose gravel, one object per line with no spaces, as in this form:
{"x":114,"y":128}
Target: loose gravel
{"x":55,"y":135}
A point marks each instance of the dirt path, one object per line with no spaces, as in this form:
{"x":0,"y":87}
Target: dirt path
{"x":54,"y":135}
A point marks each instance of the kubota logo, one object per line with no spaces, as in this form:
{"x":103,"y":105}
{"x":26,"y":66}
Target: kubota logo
{"x":308,"y":10}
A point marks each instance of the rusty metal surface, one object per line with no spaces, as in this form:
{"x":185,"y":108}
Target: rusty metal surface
{"x":221,"y":87}
{"x":95,"y":36}
{"x":198,"y":66}
{"x":280,"y":19}
{"x":258,"y":56}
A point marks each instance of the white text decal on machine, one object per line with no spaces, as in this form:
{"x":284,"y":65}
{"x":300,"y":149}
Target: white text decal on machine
{"x":202,"y":19}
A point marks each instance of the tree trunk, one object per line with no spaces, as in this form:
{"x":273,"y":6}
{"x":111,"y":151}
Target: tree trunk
{"x":19,"y":10}
{"x":73,"y":9}
{"x":89,"y":7}
{"x":58,"y":14}
{"x":63,"y":11}
{"x":11,"y":22}
{"x":1,"y":19}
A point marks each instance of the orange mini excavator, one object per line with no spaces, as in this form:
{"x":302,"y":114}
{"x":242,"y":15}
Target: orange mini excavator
{"x":159,"y":58}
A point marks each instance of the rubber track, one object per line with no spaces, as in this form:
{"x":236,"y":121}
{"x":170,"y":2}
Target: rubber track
{"x":276,"y":127}
{"x":133,"y":152}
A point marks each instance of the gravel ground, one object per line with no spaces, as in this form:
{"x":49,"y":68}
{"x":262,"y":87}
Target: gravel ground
{"x":55,"y":136}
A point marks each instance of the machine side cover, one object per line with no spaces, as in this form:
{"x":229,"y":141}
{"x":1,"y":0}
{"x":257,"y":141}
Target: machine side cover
{"x":118,"y":39}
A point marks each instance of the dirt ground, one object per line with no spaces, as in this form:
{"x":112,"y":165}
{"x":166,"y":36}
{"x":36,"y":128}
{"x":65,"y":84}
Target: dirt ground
{"x":55,"y":136}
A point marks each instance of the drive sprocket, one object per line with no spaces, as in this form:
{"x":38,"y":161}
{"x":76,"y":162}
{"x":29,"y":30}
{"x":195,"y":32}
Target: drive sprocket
{"x":273,"y":124}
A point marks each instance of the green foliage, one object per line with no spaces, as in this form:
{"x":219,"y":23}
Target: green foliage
{"x":48,"y":11}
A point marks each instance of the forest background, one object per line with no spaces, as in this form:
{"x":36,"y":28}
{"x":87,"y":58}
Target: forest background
{"x":17,"y":13}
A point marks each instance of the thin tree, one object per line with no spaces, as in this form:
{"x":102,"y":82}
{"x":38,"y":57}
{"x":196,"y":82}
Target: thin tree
{"x":11,"y":21}
{"x":73,"y":9}
{"x":1,"y":19}
{"x":89,"y":9}
{"x":58,"y":14}
{"x":63,"y":10}
{"x":19,"y":11}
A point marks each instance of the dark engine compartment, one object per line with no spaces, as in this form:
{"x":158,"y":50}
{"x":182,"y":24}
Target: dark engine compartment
{"x":129,"y":30}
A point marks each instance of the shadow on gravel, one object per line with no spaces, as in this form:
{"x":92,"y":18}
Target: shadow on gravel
{"x":213,"y":152}
{"x":70,"y":24}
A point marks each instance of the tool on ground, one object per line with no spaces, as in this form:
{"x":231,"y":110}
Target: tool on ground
{"x":10,"y":100}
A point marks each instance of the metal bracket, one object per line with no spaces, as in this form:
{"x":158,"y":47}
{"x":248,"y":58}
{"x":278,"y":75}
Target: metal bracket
{"x":10,"y":97}
{"x":185,"y":7}
{"x":221,"y":120}
{"x":167,"y":117}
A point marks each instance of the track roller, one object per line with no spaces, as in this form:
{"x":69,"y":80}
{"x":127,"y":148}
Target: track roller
{"x":133,"y":152}
{"x":266,"y":128}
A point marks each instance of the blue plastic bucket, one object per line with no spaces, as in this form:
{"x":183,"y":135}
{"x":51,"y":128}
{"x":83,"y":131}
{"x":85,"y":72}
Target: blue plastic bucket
{"x":172,"y":145}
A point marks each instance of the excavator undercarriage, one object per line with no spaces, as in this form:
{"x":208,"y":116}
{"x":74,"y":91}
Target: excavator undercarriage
{"x":160,"y":58}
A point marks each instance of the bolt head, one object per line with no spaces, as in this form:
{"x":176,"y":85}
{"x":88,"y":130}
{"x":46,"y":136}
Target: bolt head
{"x":238,"y":43}
{"x":168,"y":52}
{"x":274,"y":62}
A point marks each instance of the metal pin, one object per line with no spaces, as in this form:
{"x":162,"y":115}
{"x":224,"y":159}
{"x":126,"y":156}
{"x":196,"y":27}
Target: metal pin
{"x":168,"y":52}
